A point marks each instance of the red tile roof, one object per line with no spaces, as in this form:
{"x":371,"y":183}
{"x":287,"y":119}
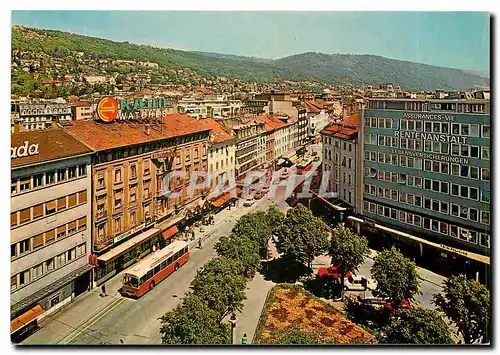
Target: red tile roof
{"x":218,"y":132}
{"x":271,"y":122}
{"x":102,"y":136}
{"x":347,"y":129}
{"x":53,"y":144}
{"x":312,"y":106}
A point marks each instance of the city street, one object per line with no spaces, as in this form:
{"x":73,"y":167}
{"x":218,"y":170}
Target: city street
{"x":93,"y":319}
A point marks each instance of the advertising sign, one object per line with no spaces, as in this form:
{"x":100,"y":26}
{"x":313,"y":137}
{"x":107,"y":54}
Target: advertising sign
{"x":110,"y":109}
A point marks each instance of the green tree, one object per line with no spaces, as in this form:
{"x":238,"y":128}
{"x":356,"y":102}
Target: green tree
{"x":193,"y":323}
{"x":242,"y":248}
{"x":256,"y":227}
{"x":466,"y":303}
{"x":417,"y":326}
{"x":274,"y":218}
{"x":221,"y":284}
{"x":396,"y":276}
{"x":347,"y":250}
{"x":302,"y":236}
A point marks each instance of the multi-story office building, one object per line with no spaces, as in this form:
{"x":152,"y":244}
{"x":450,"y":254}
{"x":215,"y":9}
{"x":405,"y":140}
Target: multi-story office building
{"x":38,"y":116}
{"x":248,"y":155}
{"x":82,"y":110}
{"x":427,"y":168}
{"x":131,"y":204}
{"x":340,"y":151}
{"x":211,"y":106}
{"x":50,"y":223}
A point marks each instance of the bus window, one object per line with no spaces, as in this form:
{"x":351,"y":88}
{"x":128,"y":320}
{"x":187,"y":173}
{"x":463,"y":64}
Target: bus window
{"x":185,"y":250}
{"x":149,"y":274}
{"x":143,"y":279}
{"x":176,"y":256}
{"x":157,"y":269}
{"x":169,"y":261}
{"x":163,"y":265}
{"x":133,"y":282}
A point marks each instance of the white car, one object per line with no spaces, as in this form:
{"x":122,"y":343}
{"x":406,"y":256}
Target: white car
{"x":360,"y":283}
{"x":249,"y":202}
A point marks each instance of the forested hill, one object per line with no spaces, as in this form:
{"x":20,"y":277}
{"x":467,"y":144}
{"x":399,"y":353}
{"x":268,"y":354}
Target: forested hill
{"x":331,"y":69}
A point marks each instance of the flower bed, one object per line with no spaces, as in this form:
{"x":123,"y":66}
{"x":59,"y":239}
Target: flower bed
{"x":289,"y":308}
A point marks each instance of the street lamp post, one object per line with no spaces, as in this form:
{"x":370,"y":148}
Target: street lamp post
{"x":232,"y":320}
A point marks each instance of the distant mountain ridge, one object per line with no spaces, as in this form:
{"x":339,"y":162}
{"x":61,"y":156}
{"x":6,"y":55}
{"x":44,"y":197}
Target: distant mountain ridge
{"x":327,"y":68}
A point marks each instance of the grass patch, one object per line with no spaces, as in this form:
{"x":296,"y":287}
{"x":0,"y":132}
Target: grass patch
{"x":290,"y":311}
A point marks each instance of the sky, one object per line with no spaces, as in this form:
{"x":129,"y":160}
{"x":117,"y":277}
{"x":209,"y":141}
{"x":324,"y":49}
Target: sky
{"x":449,"y":39}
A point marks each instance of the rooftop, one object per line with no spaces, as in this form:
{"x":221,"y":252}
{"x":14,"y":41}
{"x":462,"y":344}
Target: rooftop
{"x":347,"y":129}
{"x":53,"y":144}
{"x":102,"y":136}
{"x":218,"y":132}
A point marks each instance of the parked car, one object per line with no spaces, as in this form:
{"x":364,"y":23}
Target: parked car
{"x":360,"y":283}
{"x":316,"y":158}
{"x":249,"y":202}
{"x":370,"y":297}
{"x":391,"y":306}
{"x":284,"y":175}
{"x":258,"y":195}
{"x":264,"y":190}
{"x":331,"y":272}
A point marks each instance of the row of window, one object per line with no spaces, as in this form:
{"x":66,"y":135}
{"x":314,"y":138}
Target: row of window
{"x":471,"y":172}
{"x":384,"y":158}
{"x":47,"y":178}
{"x":471,"y":214}
{"x":336,"y":142}
{"x":34,"y":273}
{"x":426,"y":106}
{"x":47,"y":208}
{"x":470,"y":151}
{"x":416,"y":220}
{"x":48,"y":237}
{"x":459,"y":129}
{"x":378,"y":122}
{"x":443,"y":187}
{"x":221,"y":164}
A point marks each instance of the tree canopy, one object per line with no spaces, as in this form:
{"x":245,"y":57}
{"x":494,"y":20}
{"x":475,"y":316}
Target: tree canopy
{"x":347,"y":250}
{"x":417,"y":326}
{"x":466,"y":303}
{"x":396,"y":275}
{"x":193,"y":322}
{"x":302,"y":236}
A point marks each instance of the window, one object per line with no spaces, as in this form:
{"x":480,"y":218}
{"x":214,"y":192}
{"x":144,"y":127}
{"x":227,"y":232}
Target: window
{"x":37,"y":180}
{"x":118,"y":175}
{"x":37,"y":271}
{"x":24,"y":246}
{"x":485,"y":153}
{"x":82,"y":170}
{"x":25,"y":215}
{"x":484,"y":240}
{"x":486,"y":131}
{"x":133,"y":171}
{"x":72,"y":172}
{"x":133,"y":221}
{"x":13,"y":282}
{"x":61,"y":175}
{"x":82,"y":223}
{"x":61,"y":259}
{"x":117,"y":225}
{"x":49,"y":264}
{"x":474,"y":130}
{"x":24,"y":277}
{"x":37,"y":241}
{"x":72,"y":200}
{"x":25,"y":184}
{"x":61,"y":203}
{"x":485,"y":174}
{"x":61,"y":232}
{"x":485,"y":217}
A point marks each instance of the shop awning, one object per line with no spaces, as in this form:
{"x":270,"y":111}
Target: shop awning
{"x":26,"y":318}
{"x":170,"y":232}
{"x":467,"y":254}
{"x":122,"y":248}
{"x":294,"y":159}
{"x":222,"y":199}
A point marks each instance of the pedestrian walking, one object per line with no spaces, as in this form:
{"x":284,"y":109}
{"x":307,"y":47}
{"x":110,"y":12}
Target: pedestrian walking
{"x":244,"y":340}
{"x":103,"y":289}
{"x":199,"y":244}
{"x":154,"y":248}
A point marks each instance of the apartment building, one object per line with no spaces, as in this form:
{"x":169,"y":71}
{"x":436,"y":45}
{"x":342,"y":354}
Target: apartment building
{"x":427,"y":168}
{"x":50,"y":223}
{"x":340,"y":150}
{"x":221,"y":153}
{"x":211,"y":106}
{"x":37,"y":116}
{"x":249,"y":146}
{"x":82,"y":110}
{"x":135,"y":199}
{"x":317,"y":117}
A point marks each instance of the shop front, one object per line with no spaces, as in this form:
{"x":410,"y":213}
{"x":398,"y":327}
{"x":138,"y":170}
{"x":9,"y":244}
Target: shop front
{"x":125,"y":254}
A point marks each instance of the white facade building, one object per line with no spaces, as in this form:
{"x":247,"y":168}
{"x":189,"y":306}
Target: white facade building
{"x":211,"y":106}
{"x":50,"y":222}
{"x":41,"y":115}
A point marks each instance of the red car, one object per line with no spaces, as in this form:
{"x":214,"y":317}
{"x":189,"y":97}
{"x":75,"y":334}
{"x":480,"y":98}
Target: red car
{"x":331,"y":272}
{"x":390,"y":306}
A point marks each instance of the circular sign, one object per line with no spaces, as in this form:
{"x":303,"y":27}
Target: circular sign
{"x":107,"y":109}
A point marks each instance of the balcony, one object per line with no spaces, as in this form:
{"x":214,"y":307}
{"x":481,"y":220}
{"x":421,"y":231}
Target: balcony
{"x":148,"y":196}
{"x":117,"y":209}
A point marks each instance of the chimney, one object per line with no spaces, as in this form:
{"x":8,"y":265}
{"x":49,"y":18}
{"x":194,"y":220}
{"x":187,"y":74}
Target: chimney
{"x":148,"y":129}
